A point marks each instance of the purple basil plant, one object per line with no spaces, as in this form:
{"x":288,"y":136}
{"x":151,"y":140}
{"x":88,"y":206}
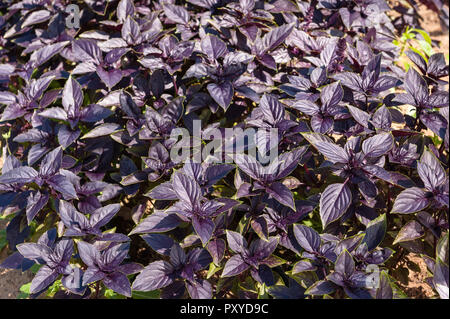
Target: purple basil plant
{"x":99,"y":204}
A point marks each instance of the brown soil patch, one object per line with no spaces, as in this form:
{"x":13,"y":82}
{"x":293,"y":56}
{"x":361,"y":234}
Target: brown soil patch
{"x":432,"y":25}
{"x":10,"y":279}
{"x":417,"y":287}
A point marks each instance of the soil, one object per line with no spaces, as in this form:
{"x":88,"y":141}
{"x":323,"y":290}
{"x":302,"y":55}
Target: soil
{"x":12,"y":280}
{"x":432,"y":25}
{"x":417,"y":287}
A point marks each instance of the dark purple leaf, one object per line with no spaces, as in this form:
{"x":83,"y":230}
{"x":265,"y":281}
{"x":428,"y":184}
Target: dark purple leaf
{"x":410,"y":231}
{"x":23,"y":174}
{"x":282,"y":194}
{"x":334,"y":203}
{"x":213,"y":47}
{"x":221,"y":93}
{"x":155,"y":276}
{"x":36,"y":201}
{"x":378,"y":145}
{"x":307,"y":237}
{"x":157,"y":222}
{"x":234,"y":266}
{"x":204,"y":228}
{"x":430,"y":171}
{"x":411,"y":200}
{"x":177,"y":14}
{"x":375,"y":232}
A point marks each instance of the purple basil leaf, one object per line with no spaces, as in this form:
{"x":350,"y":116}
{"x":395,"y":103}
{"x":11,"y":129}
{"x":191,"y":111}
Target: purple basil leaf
{"x":119,"y":283}
{"x":213,"y":47}
{"x":440,"y":279}
{"x":272,"y":109}
{"x":103,"y":215}
{"x":87,"y":50}
{"x":410,"y":200}
{"x":334,"y":201}
{"x":216,"y":248}
{"x":275,"y":37}
{"x":160,"y":243}
{"x":410,"y":231}
{"x":221,"y":93}
{"x":320,"y":288}
{"x":331,"y":95}
{"x":102,"y":130}
{"x":72,"y":98}
{"x":324,"y":145}
{"x":204,"y":228}
{"x":430,"y":171}
{"x":51,"y":163}
{"x":321,"y":124}
{"x":375,"y":232}
{"x":124,"y":8}
{"x":282,"y":194}
{"x":66,"y":136}
{"x":186,"y":189}
{"x":307,"y":107}
{"x":23,"y":174}
{"x":36,"y":201}
{"x":110,"y":78}
{"x":359,"y":115}
{"x":177,"y":14}
{"x":34,"y":251}
{"x":378,"y":145}
{"x":262,"y":249}
{"x":418,"y":60}
{"x":234,"y":266}
{"x":43,"y":278}
{"x":435,"y":122}
{"x":345,"y":264}
{"x":199,"y":289}
{"x":307,"y":237}
{"x":163,"y":191}
{"x":70,"y":216}
{"x":303,"y":266}
{"x":45,"y":53}
{"x":155,"y":276}
{"x":236,"y":242}
{"x":131,"y":32}
{"x":61,"y":184}
{"x":157,"y":222}
{"x":259,"y":225}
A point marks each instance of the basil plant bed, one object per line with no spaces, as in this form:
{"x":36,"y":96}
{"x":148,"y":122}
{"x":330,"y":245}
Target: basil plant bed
{"x":94,"y":98}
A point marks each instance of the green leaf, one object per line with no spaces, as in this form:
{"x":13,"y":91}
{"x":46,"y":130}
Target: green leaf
{"x":243,"y":224}
{"x":54,"y":288}
{"x":424,"y":34}
{"x":111,"y":294}
{"x":212,"y":270}
{"x":427,"y":48}
{"x":424,"y":56}
{"x":3,"y":241}
{"x":442,"y":249}
{"x":25,"y":288}
{"x":22,"y":295}
{"x":34,"y":269}
{"x":155,"y":294}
